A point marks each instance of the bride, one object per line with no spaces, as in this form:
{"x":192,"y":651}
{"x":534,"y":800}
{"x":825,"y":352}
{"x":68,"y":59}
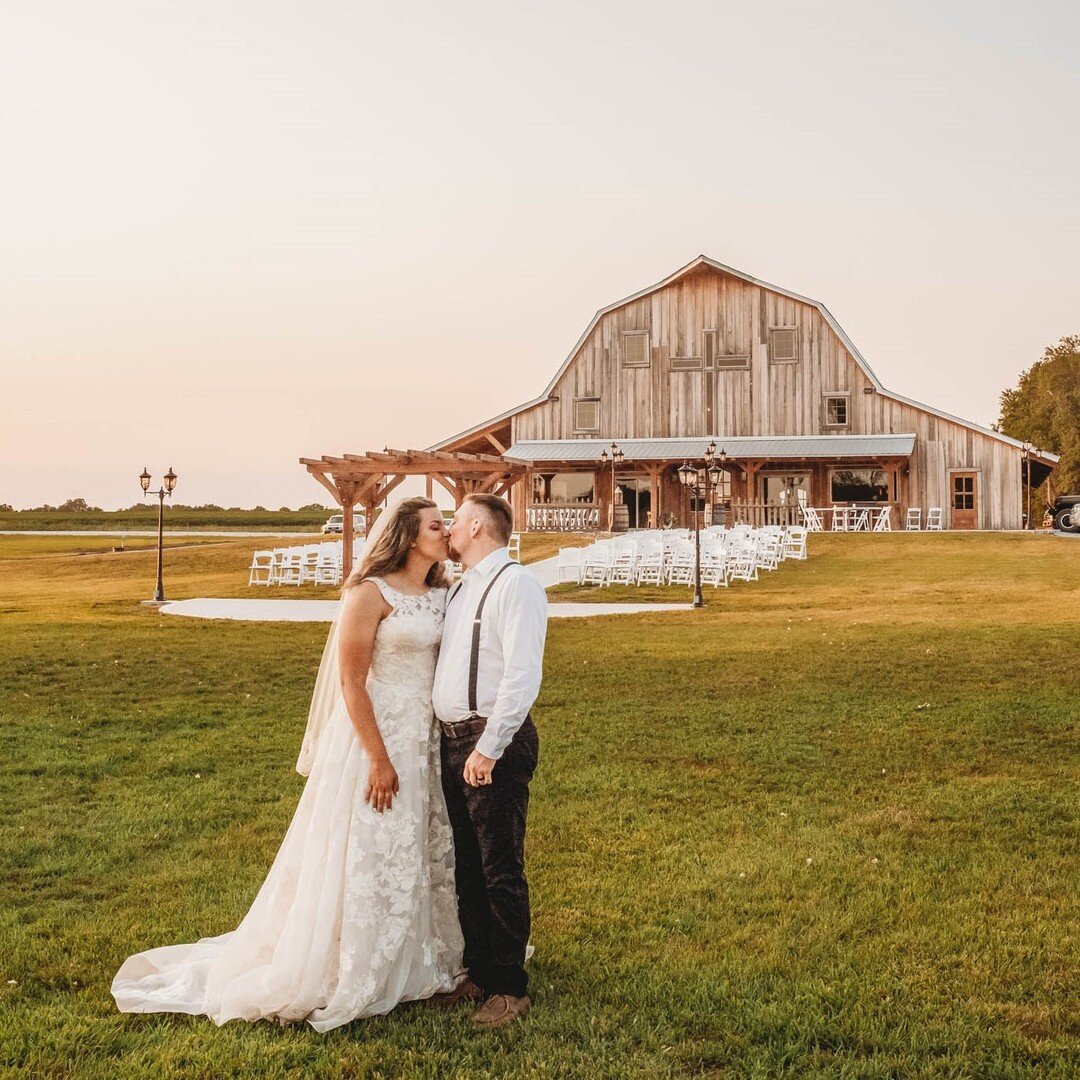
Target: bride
{"x":358,"y":912}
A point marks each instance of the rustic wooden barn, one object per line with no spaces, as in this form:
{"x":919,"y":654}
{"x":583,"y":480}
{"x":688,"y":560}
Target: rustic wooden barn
{"x":712,"y":354}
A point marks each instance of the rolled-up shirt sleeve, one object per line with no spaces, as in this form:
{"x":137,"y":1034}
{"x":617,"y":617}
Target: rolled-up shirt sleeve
{"x":523,"y":632}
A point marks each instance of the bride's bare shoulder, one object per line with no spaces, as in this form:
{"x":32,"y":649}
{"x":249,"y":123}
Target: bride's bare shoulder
{"x":366,"y":597}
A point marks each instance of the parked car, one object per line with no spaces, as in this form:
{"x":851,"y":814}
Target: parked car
{"x":335,"y":523}
{"x":1066,"y":513}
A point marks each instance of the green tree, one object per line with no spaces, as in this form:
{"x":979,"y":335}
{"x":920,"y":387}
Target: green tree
{"x":1044,"y":410}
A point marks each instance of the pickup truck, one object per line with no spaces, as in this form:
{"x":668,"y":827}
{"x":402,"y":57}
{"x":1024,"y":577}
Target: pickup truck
{"x":1066,"y":513}
{"x":336,"y":524}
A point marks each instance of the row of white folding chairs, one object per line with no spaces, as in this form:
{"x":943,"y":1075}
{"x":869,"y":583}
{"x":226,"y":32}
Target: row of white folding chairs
{"x":848,"y":518}
{"x":914,"y":521}
{"x":669,"y":558}
{"x":870,"y":519}
{"x":315,"y":564}
{"x":320,"y":564}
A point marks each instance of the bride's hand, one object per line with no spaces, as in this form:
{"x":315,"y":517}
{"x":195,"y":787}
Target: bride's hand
{"x":382,"y":785}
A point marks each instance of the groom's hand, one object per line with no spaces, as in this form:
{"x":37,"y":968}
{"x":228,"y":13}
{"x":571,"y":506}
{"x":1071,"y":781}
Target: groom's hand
{"x":478,"y":769}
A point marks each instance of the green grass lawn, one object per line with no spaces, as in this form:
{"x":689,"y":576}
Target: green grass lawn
{"x":825,"y":827}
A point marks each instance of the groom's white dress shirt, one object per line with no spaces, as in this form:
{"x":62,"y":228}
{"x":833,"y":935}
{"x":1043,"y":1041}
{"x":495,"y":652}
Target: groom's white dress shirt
{"x":512,"y":631}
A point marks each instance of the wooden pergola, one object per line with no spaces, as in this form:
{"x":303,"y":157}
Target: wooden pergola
{"x":367,"y":479}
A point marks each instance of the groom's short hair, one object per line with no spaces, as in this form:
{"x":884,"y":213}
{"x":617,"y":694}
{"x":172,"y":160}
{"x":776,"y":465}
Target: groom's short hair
{"x":497,"y":513}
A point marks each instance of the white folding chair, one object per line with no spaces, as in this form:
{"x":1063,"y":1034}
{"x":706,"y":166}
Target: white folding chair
{"x":742,"y":561}
{"x":913,"y":521}
{"x":795,"y":542}
{"x":623,"y":561}
{"x":769,"y":549}
{"x":261,"y":571}
{"x":933,"y":519}
{"x":650,"y":562}
{"x":883,"y":520}
{"x":569,"y":565}
{"x":859,"y":520}
{"x":680,"y":563}
{"x":309,"y":564}
{"x":714,"y":565}
{"x":291,"y":569}
{"x":328,"y":567}
{"x":596,"y":563}
{"x":840,"y":519}
{"x":812,"y":519}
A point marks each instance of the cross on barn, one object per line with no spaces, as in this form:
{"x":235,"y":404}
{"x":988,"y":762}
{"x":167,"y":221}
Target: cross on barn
{"x":711,"y":354}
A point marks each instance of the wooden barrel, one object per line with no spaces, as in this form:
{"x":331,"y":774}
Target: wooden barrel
{"x":622,"y":518}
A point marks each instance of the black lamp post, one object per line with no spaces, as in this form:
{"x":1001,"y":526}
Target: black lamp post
{"x":168,"y":483}
{"x":616,"y":457}
{"x":1025,"y":455}
{"x":699,"y":481}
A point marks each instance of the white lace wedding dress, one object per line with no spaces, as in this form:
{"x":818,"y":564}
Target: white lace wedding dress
{"x":358,"y":912}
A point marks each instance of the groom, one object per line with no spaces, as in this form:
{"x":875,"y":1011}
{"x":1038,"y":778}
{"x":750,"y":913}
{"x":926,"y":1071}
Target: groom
{"x":486,"y":681}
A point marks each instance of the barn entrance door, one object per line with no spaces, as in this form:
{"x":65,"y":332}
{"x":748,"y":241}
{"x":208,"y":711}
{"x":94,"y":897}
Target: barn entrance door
{"x":637,"y":498}
{"x":965,"y":500}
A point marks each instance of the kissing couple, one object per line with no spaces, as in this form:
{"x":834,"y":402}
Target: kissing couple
{"x":402,"y":874}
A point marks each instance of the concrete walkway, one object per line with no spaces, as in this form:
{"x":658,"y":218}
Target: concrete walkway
{"x":546,"y":572}
{"x":323,"y":610}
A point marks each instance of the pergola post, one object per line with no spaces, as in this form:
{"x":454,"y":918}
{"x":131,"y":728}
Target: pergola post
{"x":346,"y":497}
{"x":519,"y":500}
{"x":654,"y":472}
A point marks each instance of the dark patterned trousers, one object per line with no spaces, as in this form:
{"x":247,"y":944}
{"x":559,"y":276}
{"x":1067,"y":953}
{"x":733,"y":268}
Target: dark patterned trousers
{"x":489,"y":845}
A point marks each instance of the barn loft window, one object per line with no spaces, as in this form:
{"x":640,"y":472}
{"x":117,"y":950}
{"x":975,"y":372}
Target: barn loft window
{"x":635,"y":348}
{"x":783,"y":345}
{"x":714,"y":359}
{"x":587,"y":414}
{"x":836,"y":410}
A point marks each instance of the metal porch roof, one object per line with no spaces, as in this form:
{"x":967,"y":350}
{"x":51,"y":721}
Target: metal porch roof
{"x":747,"y":447}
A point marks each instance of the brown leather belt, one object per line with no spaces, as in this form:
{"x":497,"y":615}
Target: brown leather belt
{"x":460,"y":729}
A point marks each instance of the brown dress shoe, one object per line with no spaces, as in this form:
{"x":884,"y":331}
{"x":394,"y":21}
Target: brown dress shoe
{"x":500,"y":1009}
{"x":466,"y":990}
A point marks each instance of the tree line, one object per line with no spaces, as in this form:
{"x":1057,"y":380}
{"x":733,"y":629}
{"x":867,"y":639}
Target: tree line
{"x":1043,"y":410}
{"x":76,"y":506}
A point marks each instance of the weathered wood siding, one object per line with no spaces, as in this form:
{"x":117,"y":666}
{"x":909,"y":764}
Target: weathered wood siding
{"x":765,"y":398}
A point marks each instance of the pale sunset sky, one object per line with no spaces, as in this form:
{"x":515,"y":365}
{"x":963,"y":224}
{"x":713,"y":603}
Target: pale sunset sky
{"x":238,"y":232}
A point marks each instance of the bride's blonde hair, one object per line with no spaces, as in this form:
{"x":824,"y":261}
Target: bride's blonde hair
{"x":390,"y":551}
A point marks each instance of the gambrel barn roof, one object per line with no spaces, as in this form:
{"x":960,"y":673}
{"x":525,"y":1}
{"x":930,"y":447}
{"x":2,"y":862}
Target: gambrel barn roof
{"x":705,"y":261}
